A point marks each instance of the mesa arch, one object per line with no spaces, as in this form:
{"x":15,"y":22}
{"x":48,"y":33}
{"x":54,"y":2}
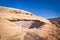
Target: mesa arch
{"x":16,"y":14}
{"x":10,"y":31}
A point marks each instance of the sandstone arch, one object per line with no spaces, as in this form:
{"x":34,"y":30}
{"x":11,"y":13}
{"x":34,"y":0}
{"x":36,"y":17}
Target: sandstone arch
{"x":16,"y":14}
{"x":9,"y":30}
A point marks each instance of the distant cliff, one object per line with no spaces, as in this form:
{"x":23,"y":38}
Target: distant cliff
{"x":55,"y":21}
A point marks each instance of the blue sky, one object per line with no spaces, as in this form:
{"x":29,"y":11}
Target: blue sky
{"x":44,"y":8}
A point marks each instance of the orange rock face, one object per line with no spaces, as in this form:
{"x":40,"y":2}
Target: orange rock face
{"x":18,"y":24}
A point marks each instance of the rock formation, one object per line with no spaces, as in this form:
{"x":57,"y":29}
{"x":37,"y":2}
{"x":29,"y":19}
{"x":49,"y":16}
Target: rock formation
{"x":18,"y":24}
{"x":55,"y":21}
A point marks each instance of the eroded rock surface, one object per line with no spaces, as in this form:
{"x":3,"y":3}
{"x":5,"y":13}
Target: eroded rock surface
{"x":18,"y":24}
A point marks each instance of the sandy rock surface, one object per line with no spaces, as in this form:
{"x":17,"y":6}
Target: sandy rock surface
{"x":18,"y":24}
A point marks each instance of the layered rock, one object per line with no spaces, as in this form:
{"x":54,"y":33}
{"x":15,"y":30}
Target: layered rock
{"x":55,"y":21}
{"x":13,"y":26}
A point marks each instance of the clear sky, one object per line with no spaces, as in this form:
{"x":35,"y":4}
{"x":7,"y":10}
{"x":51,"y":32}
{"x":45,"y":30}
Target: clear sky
{"x":44,"y":8}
